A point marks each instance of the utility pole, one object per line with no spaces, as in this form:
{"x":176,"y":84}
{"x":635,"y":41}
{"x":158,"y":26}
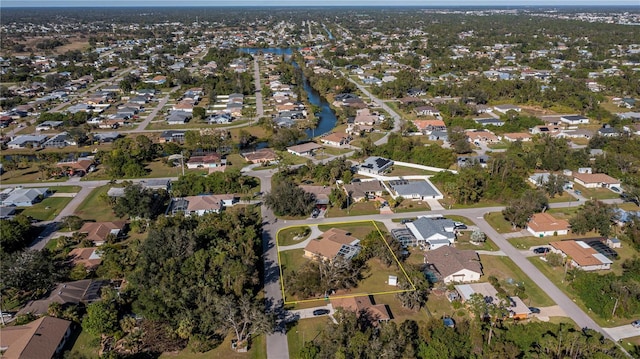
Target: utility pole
{"x":615,"y":306}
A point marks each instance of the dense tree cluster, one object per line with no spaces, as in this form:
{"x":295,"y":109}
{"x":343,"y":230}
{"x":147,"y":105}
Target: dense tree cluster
{"x":209,"y":265}
{"x":411,"y":150}
{"x":231,"y":181}
{"x":15,"y":234}
{"x":520,"y":210}
{"x":140,"y":202}
{"x":287,"y":199}
{"x":593,"y":216}
{"x":128,"y":156}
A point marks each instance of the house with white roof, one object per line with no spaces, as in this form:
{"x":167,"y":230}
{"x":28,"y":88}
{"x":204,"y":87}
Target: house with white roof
{"x":574,"y":120}
{"x":433,"y":233}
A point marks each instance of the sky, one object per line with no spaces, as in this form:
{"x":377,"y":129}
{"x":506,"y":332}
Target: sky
{"x":426,"y":3}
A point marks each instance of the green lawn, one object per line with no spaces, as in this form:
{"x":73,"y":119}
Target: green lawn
{"x":84,"y":346}
{"x":412,"y":206}
{"x":464,"y":242}
{"x":504,"y":268}
{"x":26,"y":175}
{"x":357,"y":229}
{"x":356,"y":209}
{"x":65,"y":189}
{"x":223,"y":351}
{"x":462,"y":219}
{"x":302,"y":331}
{"x":564,"y":197}
{"x":47,"y":209}
{"x":497,"y":221}
{"x":286,"y":235}
{"x":527,"y":242}
{"x":95,"y":206}
{"x":596,"y":193}
{"x":398,"y":170}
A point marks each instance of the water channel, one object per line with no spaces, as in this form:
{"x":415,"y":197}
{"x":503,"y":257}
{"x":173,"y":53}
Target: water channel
{"x":328,"y":119}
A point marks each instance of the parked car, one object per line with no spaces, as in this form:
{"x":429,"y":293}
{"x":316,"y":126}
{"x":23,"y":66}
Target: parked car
{"x":541,"y":250}
{"x":406,"y":220}
{"x":636,"y":323}
{"x":448,"y":322}
{"x":459,"y":225}
{"x":320,"y":312}
{"x":615,"y":189}
{"x":534,"y":310}
{"x":579,"y":193}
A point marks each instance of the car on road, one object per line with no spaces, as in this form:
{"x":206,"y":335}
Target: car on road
{"x":541,"y":250}
{"x":579,"y":193}
{"x":636,"y":323}
{"x":534,"y":310}
{"x":320,"y":312}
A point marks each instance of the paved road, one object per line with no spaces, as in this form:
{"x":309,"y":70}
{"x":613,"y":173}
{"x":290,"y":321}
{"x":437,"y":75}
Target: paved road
{"x":623,"y":331}
{"x":258,"y":92}
{"x":277,"y":345}
{"x":397,"y":120}
{"x":143,"y":125}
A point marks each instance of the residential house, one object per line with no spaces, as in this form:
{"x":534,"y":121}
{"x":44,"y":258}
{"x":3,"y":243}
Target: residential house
{"x":574,"y":120}
{"x":333,"y":243}
{"x":451,"y":265}
{"x":515,"y":306}
{"x":546,"y":130}
{"x":595,"y":180}
{"x":633,"y":129}
{"x":419,"y":190}
{"x":544,"y":225}
{"x":506,"y":108}
{"x":7,"y":212}
{"x":375,"y":165}
{"x":178,"y":117}
{"x":48,"y":125}
{"x":433,"y":233}
{"x":321,"y":193}
{"x":364,"y":117}
{"x":60,"y":140}
{"x":517,"y":136}
{"x":81,"y":291}
{"x":88,"y":257}
{"x":363,"y":305}
{"x":304,"y":149}
{"x":427,"y":111}
{"x":176,"y":136}
{"x":25,"y":197}
{"x":43,"y":338}
{"x":212,"y":160}
{"x":428,"y":126}
{"x":608,"y":131}
{"x":489,"y":121}
{"x":335,"y":139}
{"x":184,"y":106}
{"x":263,"y":156}
{"x":235,"y":109}
{"x":464,"y":161}
{"x":581,"y":255}
{"x":359,"y":191}
{"x":26,"y":141}
{"x":77,"y":167}
{"x":219,"y":119}
{"x":105,"y":137}
{"x":482,"y":136}
{"x":201,"y":205}
{"x":439,"y":136}
{"x":97,"y":232}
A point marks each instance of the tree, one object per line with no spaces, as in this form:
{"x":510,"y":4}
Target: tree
{"x":554,"y":185}
{"x":71,"y":223}
{"x":520,"y":210}
{"x":288,"y":199}
{"x":245,"y":316}
{"x":458,"y":140}
{"x":139,"y":202}
{"x":101,"y":318}
{"x":199,"y":112}
{"x":593,"y":215}
{"x":15,"y":234}
{"x":478,"y":236}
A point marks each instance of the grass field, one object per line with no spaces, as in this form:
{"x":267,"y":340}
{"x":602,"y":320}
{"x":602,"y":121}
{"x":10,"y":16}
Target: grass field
{"x":26,"y":175}
{"x":302,"y":331}
{"x":356,"y":209}
{"x":408,"y":171}
{"x":65,"y":189}
{"x":95,"y":206}
{"x":463,"y":242}
{"x":412,"y":206}
{"x":504,"y":269}
{"x":596,"y":193}
{"x":497,"y":221}
{"x":286,"y":236}
{"x":47,"y":209}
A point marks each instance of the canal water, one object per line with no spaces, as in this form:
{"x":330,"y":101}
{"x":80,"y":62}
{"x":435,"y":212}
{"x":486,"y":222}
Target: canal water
{"x":328,"y":118}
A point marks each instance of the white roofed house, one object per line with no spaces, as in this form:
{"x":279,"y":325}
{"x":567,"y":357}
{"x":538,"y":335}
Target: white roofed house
{"x":25,"y":197}
{"x":375,"y":165}
{"x":433,"y":233}
{"x":506,"y":108}
{"x":26,"y":141}
{"x":60,"y":140}
{"x":48,"y":125}
{"x":574,"y":120}
{"x":201,"y":205}
{"x":178,"y":117}
{"x":420,"y":189}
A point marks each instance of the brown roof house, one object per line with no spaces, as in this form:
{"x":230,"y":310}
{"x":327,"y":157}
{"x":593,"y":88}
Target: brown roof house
{"x":595,"y":180}
{"x":80,"y":291}
{"x":97,"y":232}
{"x":334,"y":242}
{"x":364,"y":189}
{"x":452,"y":265}
{"x":544,"y":225}
{"x":201,"y":205}
{"x":581,"y":255}
{"x":336,"y":139}
{"x":363,"y":305}
{"x":264,"y":155}
{"x":41,"y":339}
{"x":89,"y":257}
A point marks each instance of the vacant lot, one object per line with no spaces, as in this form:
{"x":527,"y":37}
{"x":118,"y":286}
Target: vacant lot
{"x":47,"y":209}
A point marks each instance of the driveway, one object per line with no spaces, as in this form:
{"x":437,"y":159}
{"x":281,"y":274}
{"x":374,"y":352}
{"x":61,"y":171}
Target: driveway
{"x":622,"y":332}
